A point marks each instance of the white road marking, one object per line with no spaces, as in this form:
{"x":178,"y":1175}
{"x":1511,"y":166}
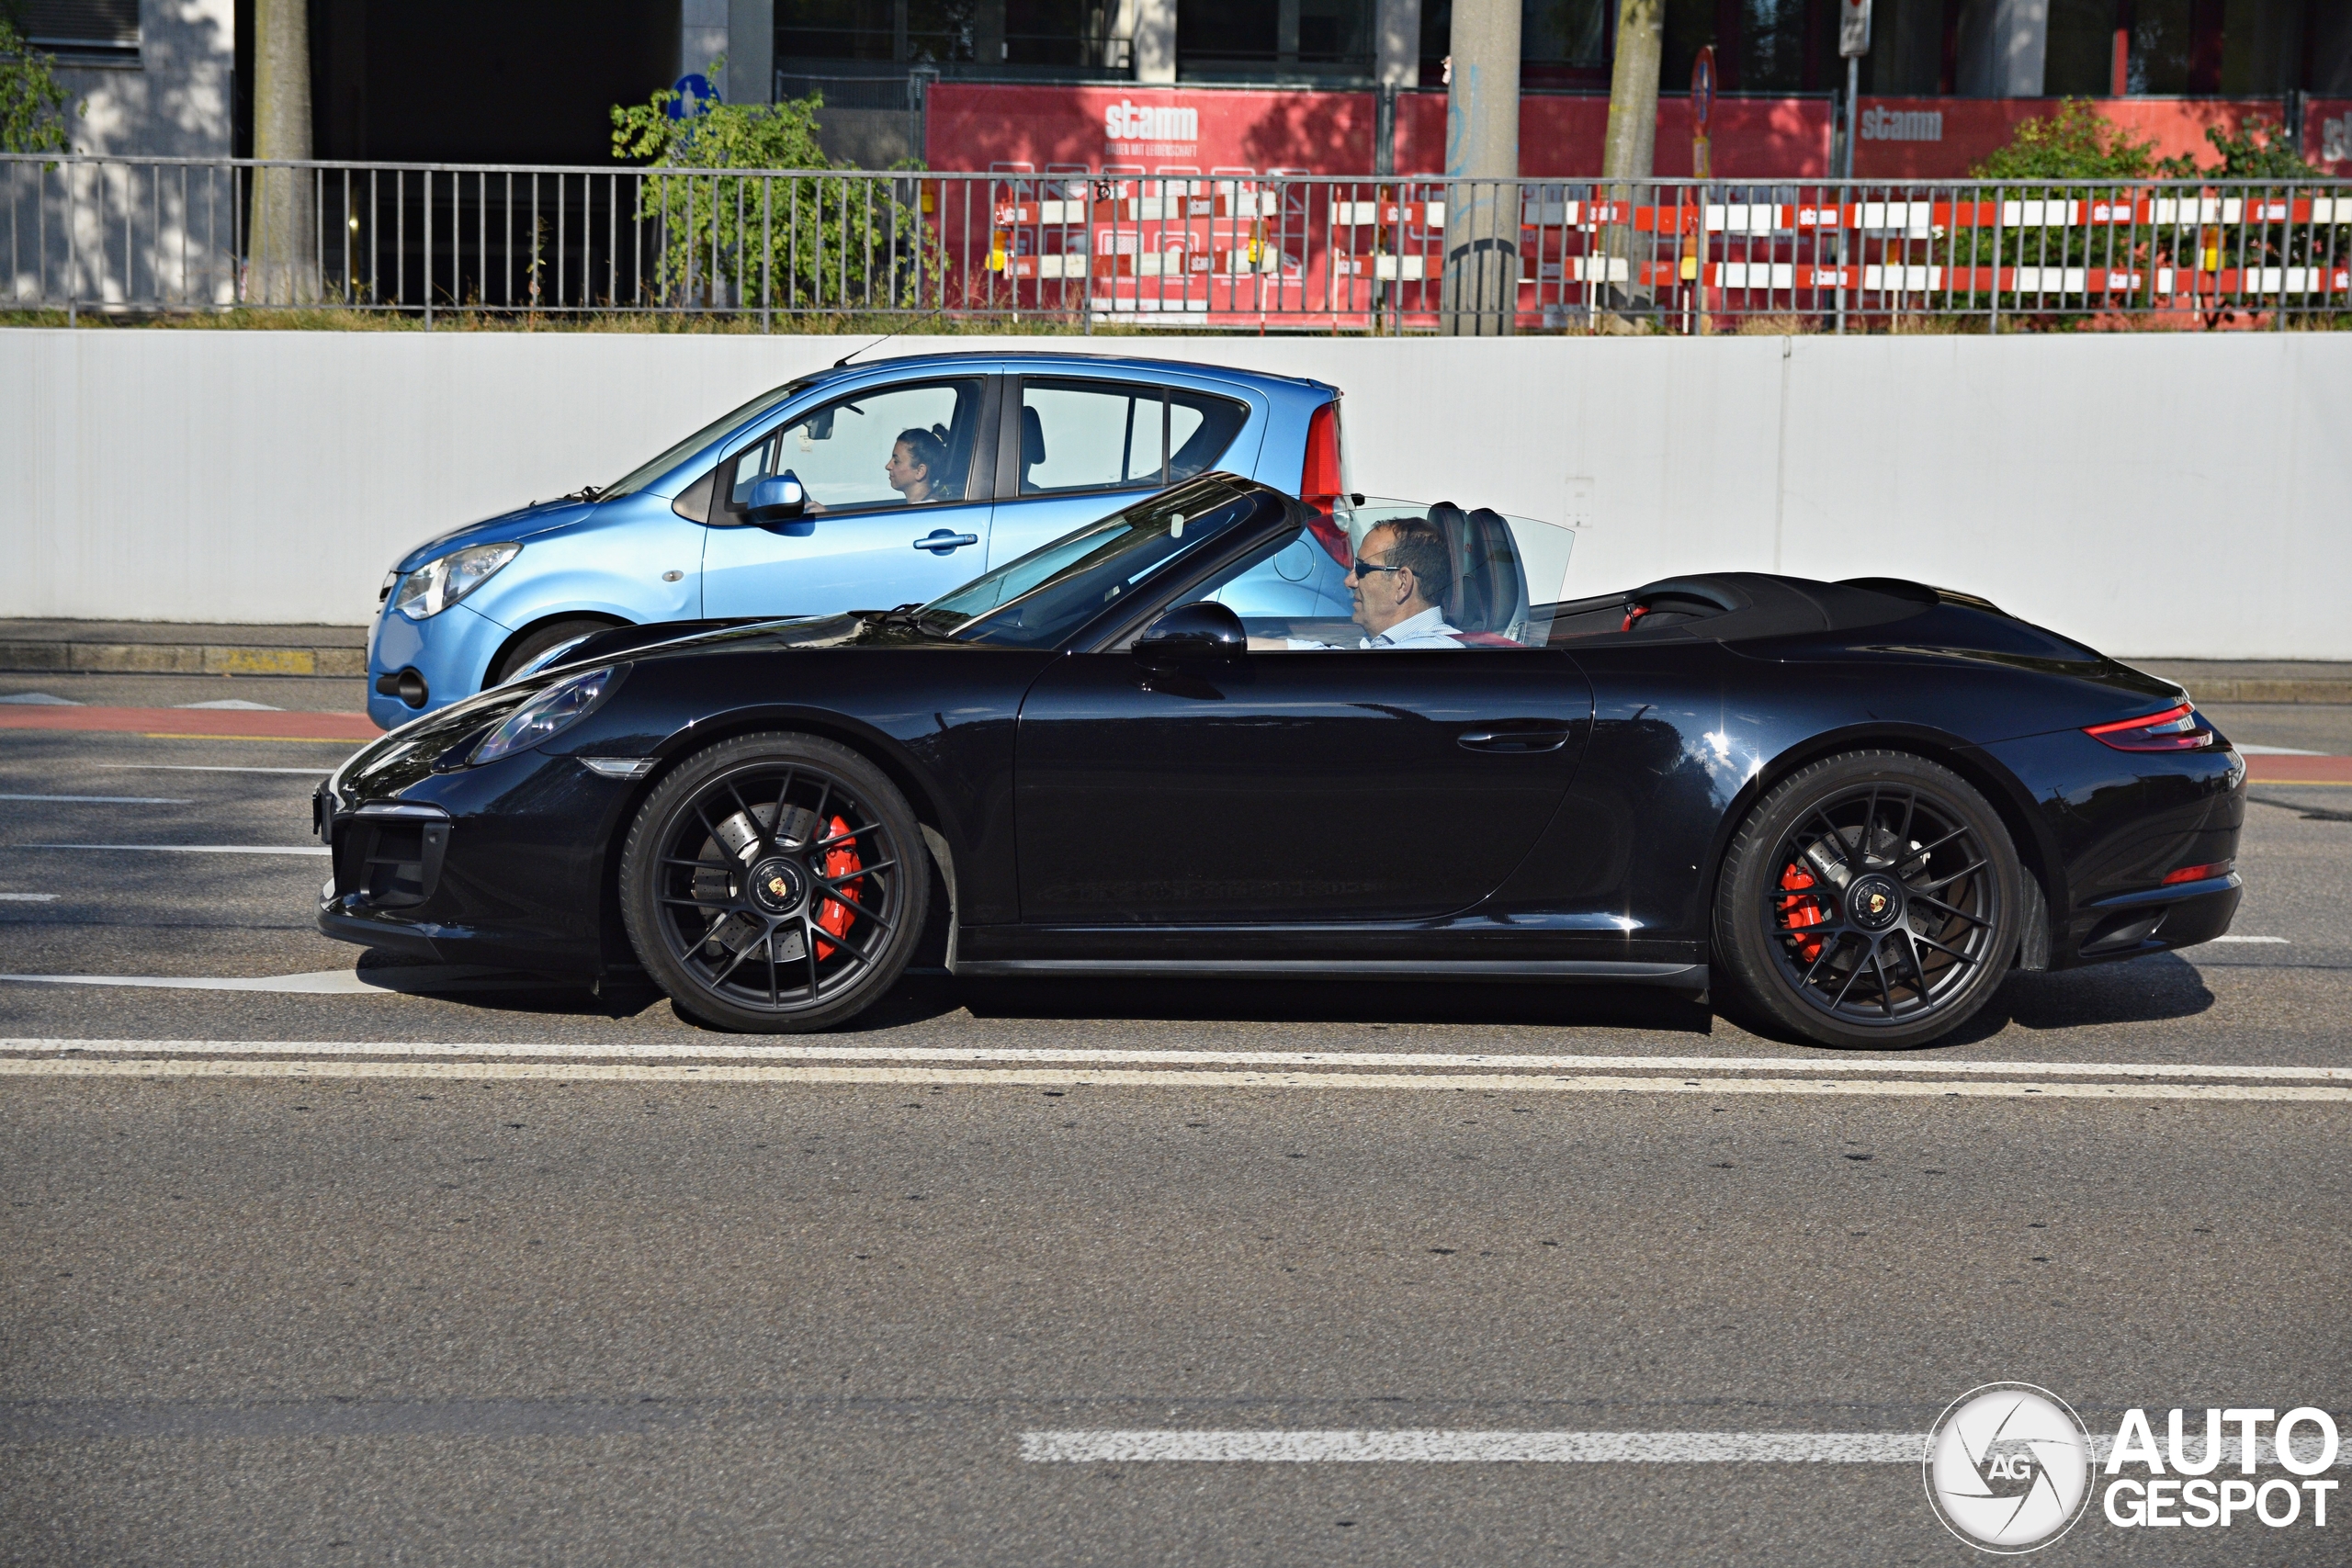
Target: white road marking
{"x":2245,"y":750}
{"x":40,"y":700}
{"x":325,"y":982}
{"x":317,"y":982}
{"x":1440,"y":1446}
{"x":197,"y":768}
{"x":191,"y":849}
{"x":717,"y":1049}
{"x":1115,"y":1077}
{"x":106,"y":799}
{"x":237,"y":703}
{"x":29,"y":897}
{"x":2282,"y":941}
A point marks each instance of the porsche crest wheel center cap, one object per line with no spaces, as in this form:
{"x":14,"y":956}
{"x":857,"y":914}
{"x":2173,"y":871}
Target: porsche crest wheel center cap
{"x":777,"y":885}
{"x":1875,"y":903}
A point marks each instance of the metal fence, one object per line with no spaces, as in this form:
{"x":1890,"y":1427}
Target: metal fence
{"x":1232,"y":250}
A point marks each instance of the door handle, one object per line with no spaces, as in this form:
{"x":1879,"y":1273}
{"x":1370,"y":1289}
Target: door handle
{"x":1514,"y":740}
{"x":940,"y":542}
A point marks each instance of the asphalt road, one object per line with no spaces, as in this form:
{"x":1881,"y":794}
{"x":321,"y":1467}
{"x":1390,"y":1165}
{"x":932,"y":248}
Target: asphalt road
{"x":630,"y":1309}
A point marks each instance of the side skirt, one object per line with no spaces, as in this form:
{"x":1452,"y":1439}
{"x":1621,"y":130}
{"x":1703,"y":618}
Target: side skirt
{"x":1680,"y":976}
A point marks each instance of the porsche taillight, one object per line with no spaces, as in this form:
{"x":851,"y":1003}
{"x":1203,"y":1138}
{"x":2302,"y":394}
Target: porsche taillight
{"x":2175,"y":729}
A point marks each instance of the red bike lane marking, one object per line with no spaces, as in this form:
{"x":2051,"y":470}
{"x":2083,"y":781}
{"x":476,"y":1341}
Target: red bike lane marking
{"x":2299,"y":769}
{"x":195,"y":724}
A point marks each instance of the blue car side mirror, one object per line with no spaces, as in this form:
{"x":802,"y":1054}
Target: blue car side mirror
{"x":776,"y":499}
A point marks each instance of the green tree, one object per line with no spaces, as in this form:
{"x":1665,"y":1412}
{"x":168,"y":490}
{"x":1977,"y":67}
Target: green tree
{"x":33,"y":105}
{"x":732,"y":237}
{"x":2076,"y":142}
{"x":2258,"y":152}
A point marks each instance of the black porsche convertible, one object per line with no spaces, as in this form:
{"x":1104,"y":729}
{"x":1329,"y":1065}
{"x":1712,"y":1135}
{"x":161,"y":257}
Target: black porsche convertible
{"x":1227,"y":732}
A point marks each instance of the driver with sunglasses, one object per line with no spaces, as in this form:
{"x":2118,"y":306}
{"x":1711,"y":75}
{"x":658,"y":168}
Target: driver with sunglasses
{"x":1401,"y":574}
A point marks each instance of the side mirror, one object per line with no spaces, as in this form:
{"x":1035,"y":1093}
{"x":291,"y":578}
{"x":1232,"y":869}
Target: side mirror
{"x":1201,"y":633}
{"x":776,"y":499}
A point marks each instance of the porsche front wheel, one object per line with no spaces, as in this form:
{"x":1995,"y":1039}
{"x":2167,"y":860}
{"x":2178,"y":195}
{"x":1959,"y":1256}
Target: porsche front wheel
{"x":1868,"y":900}
{"x":775,"y":883}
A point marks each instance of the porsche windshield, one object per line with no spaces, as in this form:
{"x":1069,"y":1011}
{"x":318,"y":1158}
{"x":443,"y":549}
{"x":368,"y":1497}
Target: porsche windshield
{"x":1044,"y":596}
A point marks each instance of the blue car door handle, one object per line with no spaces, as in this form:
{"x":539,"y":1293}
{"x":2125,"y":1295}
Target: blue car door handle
{"x":940,"y":542}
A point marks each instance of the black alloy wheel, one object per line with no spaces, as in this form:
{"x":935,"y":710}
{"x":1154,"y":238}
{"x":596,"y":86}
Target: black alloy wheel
{"x":774,"y":884}
{"x":1871,"y":900}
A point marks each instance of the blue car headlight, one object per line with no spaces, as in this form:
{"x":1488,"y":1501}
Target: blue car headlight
{"x":443,"y":580}
{"x":549,"y":714}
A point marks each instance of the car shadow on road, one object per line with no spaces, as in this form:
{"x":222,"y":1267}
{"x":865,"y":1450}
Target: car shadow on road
{"x":922,"y":998}
{"x":2154,"y":989}
{"x":2147,"y":990}
{"x":1338,"y":1001}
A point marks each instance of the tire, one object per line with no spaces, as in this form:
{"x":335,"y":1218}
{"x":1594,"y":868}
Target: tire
{"x":538,"y":642}
{"x":774,"y":884}
{"x":1871,"y":900}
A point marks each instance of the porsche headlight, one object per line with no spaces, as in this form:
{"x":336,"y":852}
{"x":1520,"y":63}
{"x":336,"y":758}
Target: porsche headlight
{"x":550,"y":713}
{"x":443,"y":580}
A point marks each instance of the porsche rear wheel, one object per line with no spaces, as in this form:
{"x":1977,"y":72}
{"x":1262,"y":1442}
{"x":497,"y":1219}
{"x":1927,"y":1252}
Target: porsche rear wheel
{"x":774,"y":884}
{"x":1870,"y":900}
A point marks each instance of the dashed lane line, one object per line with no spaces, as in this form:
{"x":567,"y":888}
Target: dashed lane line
{"x":190,"y":849}
{"x":1121,"y":1077}
{"x":1520,"y":1062}
{"x":106,"y":799}
{"x":1444,"y":1445}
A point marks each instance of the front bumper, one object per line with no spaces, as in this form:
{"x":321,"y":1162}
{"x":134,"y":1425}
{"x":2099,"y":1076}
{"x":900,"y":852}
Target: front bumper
{"x":509,"y":864}
{"x":450,"y":653}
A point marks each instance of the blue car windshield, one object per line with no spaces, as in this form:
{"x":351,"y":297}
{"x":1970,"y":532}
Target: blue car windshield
{"x":1050,"y":592}
{"x":644,"y":474}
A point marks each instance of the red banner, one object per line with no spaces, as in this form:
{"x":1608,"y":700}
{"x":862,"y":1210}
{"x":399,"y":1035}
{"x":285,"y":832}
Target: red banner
{"x":1942,"y":139}
{"x":2327,"y":134}
{"x":1185,"y":130}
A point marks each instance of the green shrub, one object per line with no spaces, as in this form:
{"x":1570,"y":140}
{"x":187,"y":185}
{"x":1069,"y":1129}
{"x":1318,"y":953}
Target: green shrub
{"x":729,"y":237}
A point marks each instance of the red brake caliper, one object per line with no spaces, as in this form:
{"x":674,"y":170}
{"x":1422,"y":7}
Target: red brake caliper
{"x":1800,"y":909}
{"x":841,"y":861}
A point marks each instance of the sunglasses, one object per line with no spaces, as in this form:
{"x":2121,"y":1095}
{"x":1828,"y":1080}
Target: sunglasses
{"x":1364,"y":568}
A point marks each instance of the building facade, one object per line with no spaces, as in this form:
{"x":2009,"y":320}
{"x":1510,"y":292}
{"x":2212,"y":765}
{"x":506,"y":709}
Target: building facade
{"x":155,"y":77}
{"x":534,"y":81}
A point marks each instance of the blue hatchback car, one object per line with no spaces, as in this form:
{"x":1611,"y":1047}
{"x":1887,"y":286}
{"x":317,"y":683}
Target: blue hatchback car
{"x":858,"y":486}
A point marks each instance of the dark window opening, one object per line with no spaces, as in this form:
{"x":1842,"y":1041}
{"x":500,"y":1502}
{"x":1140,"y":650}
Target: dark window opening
{"x":82,"y":32}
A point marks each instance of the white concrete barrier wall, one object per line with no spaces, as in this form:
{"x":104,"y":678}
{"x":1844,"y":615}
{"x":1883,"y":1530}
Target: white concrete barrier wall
{"x":2156,"y":495}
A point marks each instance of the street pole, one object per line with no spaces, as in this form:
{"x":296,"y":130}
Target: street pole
{"x":1853,"y":43}
{"x":1481,"y":290}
